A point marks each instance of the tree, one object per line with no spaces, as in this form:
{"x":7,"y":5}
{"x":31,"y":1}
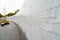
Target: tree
{"x":5,"y":21}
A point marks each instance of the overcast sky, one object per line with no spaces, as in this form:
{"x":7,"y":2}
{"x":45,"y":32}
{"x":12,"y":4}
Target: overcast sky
{"x":10,"y":5}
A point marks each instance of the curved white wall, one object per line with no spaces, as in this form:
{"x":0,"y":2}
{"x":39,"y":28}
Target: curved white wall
{"x":40,"y":19}
{"x":38,"y":6}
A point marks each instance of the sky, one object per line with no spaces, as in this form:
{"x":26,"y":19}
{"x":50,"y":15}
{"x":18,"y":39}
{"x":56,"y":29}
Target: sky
{"x":7,"y":6}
